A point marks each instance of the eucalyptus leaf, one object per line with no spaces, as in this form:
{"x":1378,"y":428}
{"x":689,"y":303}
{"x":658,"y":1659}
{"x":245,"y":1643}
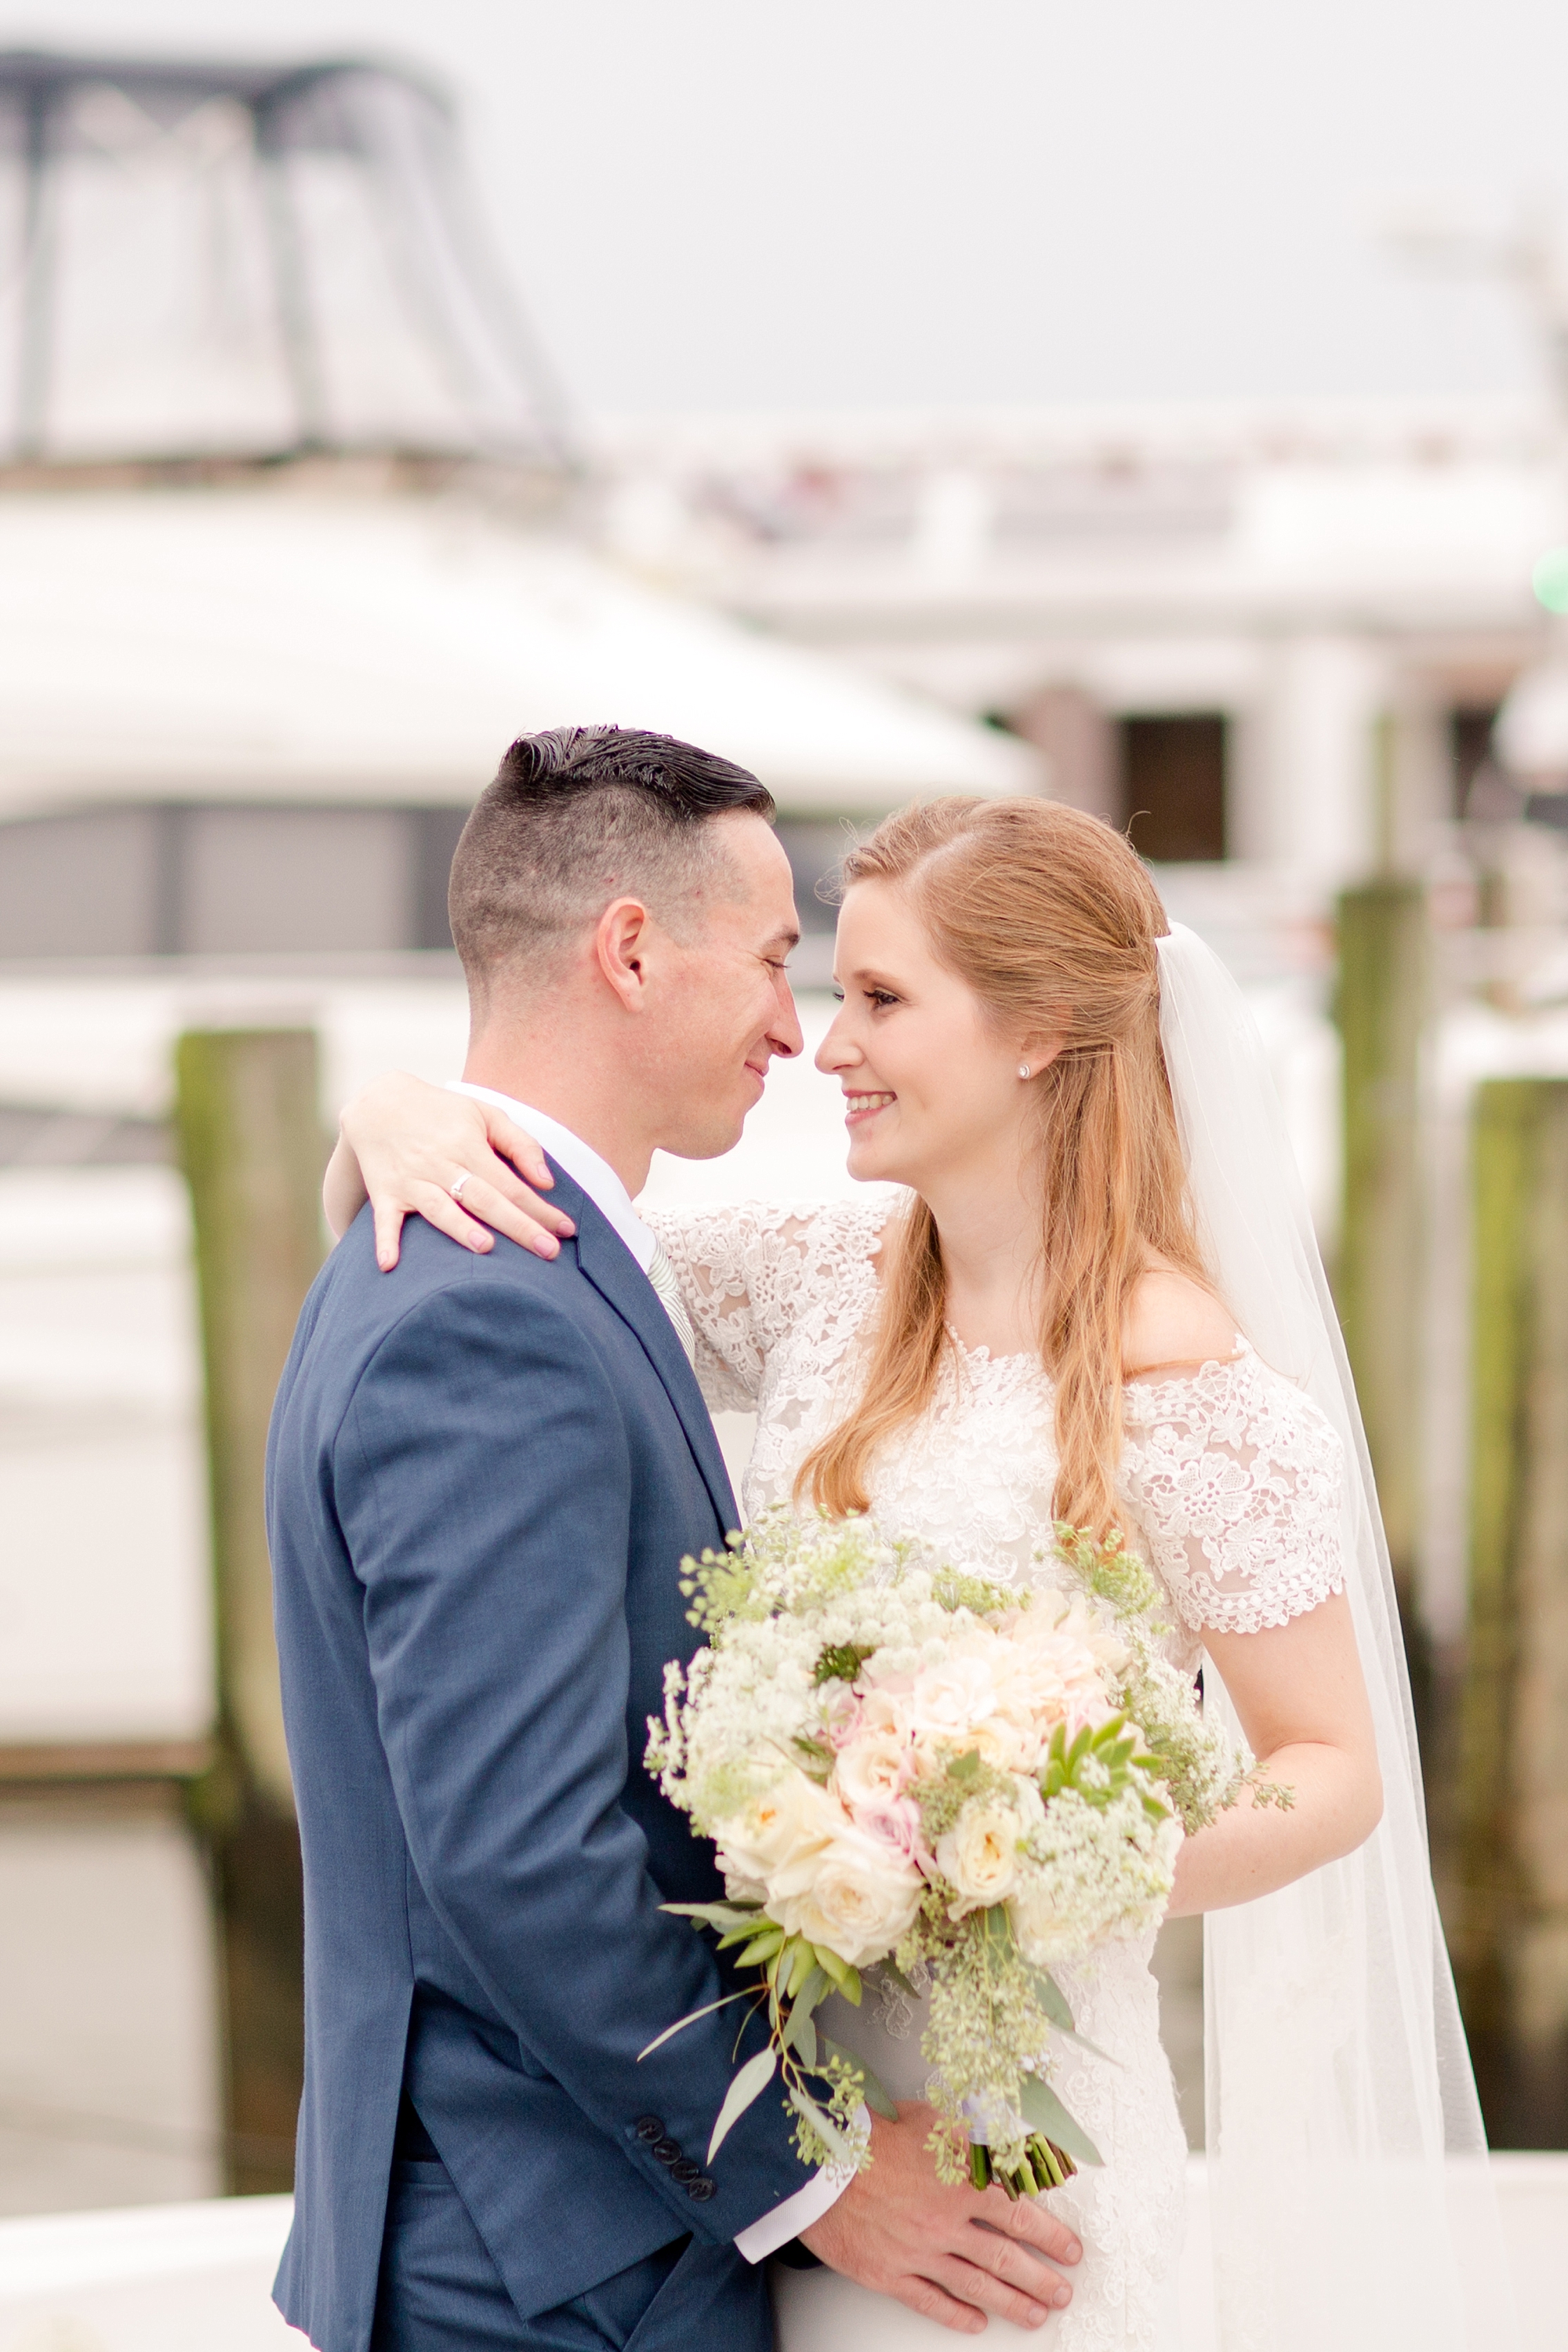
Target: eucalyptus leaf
{"x":717,"y":1914}
{"x":997,"y":1925}
{"x":895,"y":1975}
{"x":1093,"y":2048}
{"x":681,"y":2023}
{"x":817,"y":1984}
{"x":800,"y":2034}
{"x":750,"y":2083}
{"x":1043,"y":2109}
{"x":1052,"y":2000}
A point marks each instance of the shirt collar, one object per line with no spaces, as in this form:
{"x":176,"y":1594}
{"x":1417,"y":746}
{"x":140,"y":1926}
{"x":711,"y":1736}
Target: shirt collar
{"x":580,"y":1161}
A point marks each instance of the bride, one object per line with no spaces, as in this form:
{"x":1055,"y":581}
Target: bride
{"x":1095,"y":1298}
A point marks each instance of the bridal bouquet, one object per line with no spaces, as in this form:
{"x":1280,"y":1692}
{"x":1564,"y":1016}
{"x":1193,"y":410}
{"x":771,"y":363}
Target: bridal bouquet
{"x":906,"y":1765}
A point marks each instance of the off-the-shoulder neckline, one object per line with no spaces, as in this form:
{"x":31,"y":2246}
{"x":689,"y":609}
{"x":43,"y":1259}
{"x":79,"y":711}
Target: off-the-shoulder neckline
{"x":1157,"y":1376}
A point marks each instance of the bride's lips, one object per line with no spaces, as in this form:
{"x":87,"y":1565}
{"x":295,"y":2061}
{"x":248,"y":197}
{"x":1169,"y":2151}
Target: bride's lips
{"x":861,"y":1106}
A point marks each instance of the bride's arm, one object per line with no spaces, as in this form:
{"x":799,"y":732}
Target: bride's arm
{"x":1263,"y":1593}
{"x":401,"y":1144}
{"x":1299,"y":1694}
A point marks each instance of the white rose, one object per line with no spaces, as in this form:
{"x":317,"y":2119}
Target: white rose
{"x":1042,"y":1931}
{"x":861,"y":1897}
{"x":791,"y":1820}
{"x":1010,"y":1741}
{"x":872,"y":1769}
{"x":978,"y":1855}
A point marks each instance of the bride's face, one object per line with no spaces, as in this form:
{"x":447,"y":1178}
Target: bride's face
{"x":931,"y":1090}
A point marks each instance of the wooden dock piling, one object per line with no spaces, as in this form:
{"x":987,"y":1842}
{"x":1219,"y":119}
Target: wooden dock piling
{"x":1381,"y":1008}
{"x":1511,"y":1946}
{"x":252,"y":1146}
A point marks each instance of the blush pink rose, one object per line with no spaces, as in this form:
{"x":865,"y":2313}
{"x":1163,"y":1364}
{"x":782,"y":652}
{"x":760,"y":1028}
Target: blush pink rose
{"x":895,"y":1822}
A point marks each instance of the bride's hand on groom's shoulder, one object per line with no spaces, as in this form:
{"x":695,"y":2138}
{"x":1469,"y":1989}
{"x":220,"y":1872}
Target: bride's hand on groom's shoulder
{"x":951,"y":2254}
{"x":405,"y":1144}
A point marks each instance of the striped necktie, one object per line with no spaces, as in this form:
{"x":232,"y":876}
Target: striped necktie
{"x":661,"y":1274}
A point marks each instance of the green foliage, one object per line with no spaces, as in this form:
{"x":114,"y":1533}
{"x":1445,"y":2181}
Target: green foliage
{"x":839,"y":1664}
{"x":1098,"y":1763}
{"x":942,"y":1802}
{"x":1112,"y":1573}
{"x":985,"y":2003}
{"x":796,"y":1976}
{"x":722,"y":1585}
{"x":1267,"y":1793}
{"x":1202,"y":1776}
{"x":954,"y":1589}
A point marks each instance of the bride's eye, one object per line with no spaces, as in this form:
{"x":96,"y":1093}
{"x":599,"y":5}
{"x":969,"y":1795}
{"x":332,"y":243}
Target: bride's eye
{"x":881,"y":996}
{"x":836,"y":993}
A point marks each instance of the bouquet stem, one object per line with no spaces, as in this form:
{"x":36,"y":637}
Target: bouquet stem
{"x":1045,"y":2166}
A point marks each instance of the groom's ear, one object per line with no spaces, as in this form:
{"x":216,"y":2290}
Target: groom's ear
{"x":621,"y":940}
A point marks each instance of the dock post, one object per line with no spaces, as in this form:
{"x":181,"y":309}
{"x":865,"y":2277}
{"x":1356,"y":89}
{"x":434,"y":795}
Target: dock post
{"x":251,"y":1143}
{"x":1381,"y":1010}
{"x":1511,"y":1946}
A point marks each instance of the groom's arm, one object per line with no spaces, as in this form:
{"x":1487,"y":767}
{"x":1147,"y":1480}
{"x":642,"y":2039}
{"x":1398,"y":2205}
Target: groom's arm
{"x":483,"y":1483}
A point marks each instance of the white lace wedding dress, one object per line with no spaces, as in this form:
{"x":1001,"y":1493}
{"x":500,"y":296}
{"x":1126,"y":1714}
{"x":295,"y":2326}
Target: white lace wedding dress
{"x":1230,"y":1483}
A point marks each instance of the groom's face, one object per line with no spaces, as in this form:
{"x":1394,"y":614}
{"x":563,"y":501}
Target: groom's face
{"x":725,"y":1006}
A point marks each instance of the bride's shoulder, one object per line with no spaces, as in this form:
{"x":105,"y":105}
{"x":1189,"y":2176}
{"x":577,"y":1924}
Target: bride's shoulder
{"x":1174,"y":1323}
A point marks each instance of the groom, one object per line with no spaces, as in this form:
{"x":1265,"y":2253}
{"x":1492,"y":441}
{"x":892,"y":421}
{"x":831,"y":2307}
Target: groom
{"x":483,"y":1472}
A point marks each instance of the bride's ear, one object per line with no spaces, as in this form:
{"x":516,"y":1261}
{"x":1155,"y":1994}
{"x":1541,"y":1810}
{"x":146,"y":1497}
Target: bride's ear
{"x":1036,"y":1053}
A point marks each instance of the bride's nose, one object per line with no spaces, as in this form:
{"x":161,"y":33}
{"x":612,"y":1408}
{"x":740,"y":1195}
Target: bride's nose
{"x":835,"y":1052}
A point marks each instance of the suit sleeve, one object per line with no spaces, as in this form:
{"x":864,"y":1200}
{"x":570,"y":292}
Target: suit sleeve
{"x":483,"y":1485}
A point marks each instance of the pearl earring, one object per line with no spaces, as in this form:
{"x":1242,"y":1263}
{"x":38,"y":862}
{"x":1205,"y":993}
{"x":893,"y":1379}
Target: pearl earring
{"x":1025,"y":1071}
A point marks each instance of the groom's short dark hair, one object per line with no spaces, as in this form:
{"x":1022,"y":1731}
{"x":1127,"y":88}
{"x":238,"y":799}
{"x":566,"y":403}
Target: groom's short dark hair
{"x":578,"y":816}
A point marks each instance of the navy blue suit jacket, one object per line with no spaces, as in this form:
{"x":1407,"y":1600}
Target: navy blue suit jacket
{"x":482,"y":1475}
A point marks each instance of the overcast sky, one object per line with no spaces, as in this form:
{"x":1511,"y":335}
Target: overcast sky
{"x":721,"y":204}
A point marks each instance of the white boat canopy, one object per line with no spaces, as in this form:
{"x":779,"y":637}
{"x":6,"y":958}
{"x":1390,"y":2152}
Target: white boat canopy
{"x":276,"y":645}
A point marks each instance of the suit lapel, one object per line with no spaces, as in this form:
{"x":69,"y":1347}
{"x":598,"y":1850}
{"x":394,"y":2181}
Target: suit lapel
{"x":618,"y":1278}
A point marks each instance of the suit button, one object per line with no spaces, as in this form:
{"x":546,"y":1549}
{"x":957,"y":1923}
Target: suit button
{"x":650,"y":2128}
{"x":666,"y":2151}
{"x":699,"y":2191}
{"x":685,"y":2171}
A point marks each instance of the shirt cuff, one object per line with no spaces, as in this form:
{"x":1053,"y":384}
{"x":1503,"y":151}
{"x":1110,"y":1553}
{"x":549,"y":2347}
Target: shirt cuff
{"x":822,"y":2192}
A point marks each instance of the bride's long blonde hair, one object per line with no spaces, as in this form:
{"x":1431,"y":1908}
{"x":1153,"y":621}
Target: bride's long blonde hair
{"x":1049,"y":918}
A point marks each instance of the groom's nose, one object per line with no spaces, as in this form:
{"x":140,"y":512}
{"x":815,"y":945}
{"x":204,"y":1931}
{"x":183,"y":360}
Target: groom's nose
{"x":785,"y":1038}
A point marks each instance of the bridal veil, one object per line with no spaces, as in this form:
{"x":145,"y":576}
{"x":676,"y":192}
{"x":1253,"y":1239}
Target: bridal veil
{"x":1348,"y":2187}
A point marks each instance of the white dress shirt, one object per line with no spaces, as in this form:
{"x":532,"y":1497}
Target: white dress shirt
{"x":613,"y":1202}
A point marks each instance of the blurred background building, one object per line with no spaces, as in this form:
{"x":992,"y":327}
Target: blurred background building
{"x":296,"y":530}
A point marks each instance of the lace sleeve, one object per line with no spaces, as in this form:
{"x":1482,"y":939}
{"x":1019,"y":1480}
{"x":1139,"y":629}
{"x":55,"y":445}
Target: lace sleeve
{"x":1238,"y":1481}
{"x":750,"y":1271}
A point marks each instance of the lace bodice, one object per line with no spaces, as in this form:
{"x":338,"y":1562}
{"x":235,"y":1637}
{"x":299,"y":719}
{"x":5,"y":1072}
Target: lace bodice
{"x":1230,"y":1485}
{"x":1230,"y":1479}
